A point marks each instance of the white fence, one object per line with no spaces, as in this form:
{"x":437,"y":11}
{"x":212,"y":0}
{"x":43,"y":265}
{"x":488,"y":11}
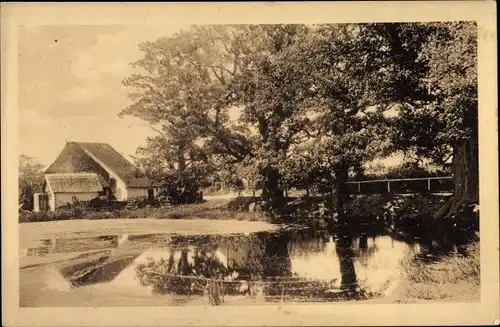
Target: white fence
{"x":402,"y":185}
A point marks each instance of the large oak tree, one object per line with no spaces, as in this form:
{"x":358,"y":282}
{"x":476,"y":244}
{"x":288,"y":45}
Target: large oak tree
{"x":433,"y":79}
{"x":314,"y":96}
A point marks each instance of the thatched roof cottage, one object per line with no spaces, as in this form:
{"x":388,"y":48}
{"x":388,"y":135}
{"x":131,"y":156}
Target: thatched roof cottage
{"x":84,"y":171}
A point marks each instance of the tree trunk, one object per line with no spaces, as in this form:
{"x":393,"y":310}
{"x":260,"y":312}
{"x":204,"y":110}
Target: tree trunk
{"x":465,"y":179}
{"x":339,"y":196}
{"x":465,"y":170}
{"x":181,"y":158}
{"x":272,"y":195}
{"x":181,"y":161}
{"x":457,"y":218}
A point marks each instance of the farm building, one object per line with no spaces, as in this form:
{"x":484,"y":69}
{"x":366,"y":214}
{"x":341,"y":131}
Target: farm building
{"x":85,"y":171}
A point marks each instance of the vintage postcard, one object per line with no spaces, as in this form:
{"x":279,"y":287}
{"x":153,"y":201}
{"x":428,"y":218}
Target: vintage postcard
{"x":249,"y":164}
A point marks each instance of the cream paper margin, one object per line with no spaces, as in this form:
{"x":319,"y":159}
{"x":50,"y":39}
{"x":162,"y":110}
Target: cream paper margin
{"x":484,"y":12}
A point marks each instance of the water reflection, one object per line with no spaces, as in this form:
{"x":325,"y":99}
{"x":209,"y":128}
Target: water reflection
{"x":345,"y":254}
{"x":69,"y":245}
{"x":285,"y":266}
{"x":276,"y":260}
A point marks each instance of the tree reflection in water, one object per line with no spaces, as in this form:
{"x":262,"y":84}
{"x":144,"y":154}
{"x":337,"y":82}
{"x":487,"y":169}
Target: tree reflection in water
{"x":364,"y":251}
{"x":276,"y":264}
{"x":252,"y":265}
{"x":305,"y":242}
{"x":183,"y":277}
{"x":276,"y":259}
{"x":346,"y":261}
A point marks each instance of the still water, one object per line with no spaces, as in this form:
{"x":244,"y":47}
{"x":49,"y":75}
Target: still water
{"x":167,"y":269}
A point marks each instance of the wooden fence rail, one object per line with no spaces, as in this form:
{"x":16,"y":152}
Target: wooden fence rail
{"x":402,"y":185}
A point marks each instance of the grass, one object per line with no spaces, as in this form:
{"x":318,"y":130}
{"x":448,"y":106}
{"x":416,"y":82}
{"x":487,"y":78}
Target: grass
{"x":213,"y":209}
{"x":455,"y":277}
{"x":377,"y":209}
{"x":217,"y":209}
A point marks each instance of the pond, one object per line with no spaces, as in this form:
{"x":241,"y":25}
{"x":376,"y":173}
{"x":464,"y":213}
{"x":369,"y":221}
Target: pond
{"x":259,"y":268}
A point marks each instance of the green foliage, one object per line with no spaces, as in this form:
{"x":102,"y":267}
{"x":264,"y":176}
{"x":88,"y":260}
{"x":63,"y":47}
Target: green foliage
{"x":452,"y":58}
{"x":184,"y":85}
{"x":271,"y":100}
{"x":30,"y":180}
{"x":298,"y":172}
{"x":433,"y":122}
{"x":315,"y":102}
{"x":411,"y":171}
{"x":184,"y":94}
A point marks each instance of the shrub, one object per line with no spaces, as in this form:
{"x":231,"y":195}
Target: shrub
{"x":403,"y":171}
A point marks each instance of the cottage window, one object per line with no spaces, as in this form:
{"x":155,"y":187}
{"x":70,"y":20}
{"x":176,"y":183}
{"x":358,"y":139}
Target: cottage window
{"x":151,"y":194}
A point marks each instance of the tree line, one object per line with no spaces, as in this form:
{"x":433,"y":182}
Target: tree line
{"x":314,"y":103}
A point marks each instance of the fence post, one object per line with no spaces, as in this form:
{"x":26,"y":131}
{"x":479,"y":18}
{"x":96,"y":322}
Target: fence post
{"x":388,"y":186}
{"x":359,"y":187}
{"x":428,"y":184}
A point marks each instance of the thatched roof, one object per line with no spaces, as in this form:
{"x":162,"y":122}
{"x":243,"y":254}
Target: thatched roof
{"x":74,"y":182}
{"x":73,"y":156}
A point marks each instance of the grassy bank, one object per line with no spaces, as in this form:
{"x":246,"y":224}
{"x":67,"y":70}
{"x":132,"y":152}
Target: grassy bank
{"x":411,"y":215}
{"x":213,"y":209}
{"x":452,"y":278}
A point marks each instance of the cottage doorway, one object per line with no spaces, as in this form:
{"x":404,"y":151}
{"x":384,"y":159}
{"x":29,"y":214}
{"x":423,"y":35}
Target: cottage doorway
{"x":112,"y":187}
{"x":151,"y":194}
{"x":108,"y":193}
{"x":43,"y":201}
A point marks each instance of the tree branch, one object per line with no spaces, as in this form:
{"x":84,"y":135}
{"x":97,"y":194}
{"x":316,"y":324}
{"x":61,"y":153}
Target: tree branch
{"x":220,"y":78}
{"x":158,"y":131}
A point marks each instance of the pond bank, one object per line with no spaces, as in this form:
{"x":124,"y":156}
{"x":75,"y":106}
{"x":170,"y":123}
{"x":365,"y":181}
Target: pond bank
{"x":452,"y":278}
{"x":410,"y":214}
{"x":92,"y":228}
{"x":215,"y":209}
{"x":245,"y":208}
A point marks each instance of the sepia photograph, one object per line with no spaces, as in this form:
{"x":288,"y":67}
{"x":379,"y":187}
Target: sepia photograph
{"x":250,"y":165}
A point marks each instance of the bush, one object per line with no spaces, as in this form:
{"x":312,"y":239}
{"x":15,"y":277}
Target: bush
{"x":403,"y":171}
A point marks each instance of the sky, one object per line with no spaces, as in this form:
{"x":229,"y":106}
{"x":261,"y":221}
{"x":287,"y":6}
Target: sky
{"x":70,"y":86}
